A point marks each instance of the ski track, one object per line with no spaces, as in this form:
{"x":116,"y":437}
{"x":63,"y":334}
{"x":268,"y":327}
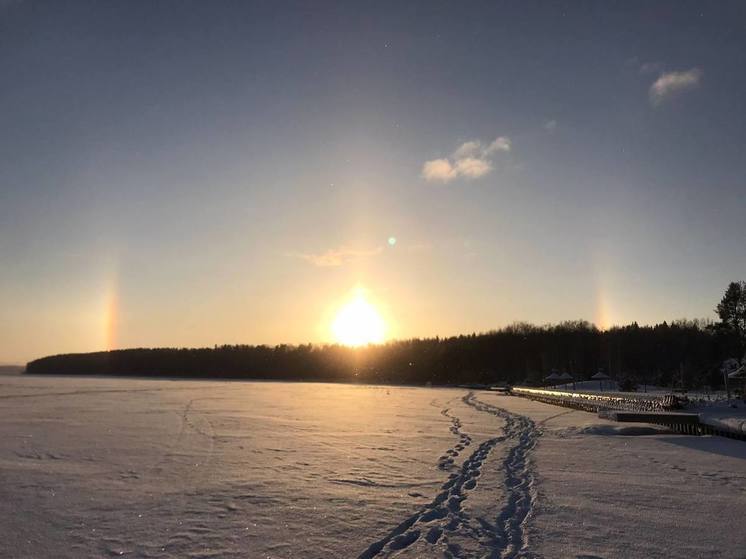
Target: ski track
{"x":444,"y":517}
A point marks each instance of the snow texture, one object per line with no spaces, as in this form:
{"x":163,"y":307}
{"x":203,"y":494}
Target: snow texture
{"x":162,"y":468}
{"x":726,"y":415}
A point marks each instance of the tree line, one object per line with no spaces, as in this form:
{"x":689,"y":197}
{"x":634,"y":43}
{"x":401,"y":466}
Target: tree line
{"x":683,"y":353}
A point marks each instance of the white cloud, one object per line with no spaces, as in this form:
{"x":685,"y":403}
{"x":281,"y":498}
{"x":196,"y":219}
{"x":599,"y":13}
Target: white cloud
{"x":338,"y":256}
{"x":472,"y":167}
{"x":671,"y":83}
{"x":468,"y":149}
{"x":438,"y":170}
{"x":500,"y":144}
{"x":471,"y":160}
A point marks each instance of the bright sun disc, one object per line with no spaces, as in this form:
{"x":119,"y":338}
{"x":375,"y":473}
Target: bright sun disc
{"x":358,"y":323}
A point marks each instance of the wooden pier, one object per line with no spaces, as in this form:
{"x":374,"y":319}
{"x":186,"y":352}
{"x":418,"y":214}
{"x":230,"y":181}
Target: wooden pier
{"x":687,"y":423}
{"x":594,"y":402}
{"x":626,"y":408}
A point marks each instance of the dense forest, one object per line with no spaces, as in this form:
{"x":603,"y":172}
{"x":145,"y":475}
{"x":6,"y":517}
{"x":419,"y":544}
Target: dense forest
{"x":684,"y":353}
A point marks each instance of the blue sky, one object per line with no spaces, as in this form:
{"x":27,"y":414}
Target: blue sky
{"x":191,"y":173}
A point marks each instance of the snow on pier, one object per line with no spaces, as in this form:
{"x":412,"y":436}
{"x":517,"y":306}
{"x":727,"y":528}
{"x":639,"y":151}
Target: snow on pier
{"x":595,"y":401}
{"x":725,"y":418}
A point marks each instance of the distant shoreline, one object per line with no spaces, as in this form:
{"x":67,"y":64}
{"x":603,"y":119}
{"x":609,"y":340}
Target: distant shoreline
{"x":683,"y":354}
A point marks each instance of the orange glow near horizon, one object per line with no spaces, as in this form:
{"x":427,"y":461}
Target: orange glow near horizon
{"x":110,"y":316}
{"x":358,"y":323}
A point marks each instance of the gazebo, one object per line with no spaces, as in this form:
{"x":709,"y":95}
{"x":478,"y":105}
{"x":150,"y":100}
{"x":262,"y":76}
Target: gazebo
{"x":552,"y":378}
{"x":601,"y":377}
{"x":739,"y":374}
{"x":567,"y":377}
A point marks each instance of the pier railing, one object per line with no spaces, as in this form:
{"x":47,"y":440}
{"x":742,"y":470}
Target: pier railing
{"x":643,"y":408}
{"x":595,"y":402}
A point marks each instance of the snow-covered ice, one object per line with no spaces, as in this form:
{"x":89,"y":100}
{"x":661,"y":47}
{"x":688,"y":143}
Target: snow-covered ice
{"x":727,"y":415}
{"x":158,"y":468}
{"x":603,"y":493}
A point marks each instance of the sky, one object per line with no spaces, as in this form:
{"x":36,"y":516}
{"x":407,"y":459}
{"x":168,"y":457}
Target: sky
{"x":184,"y":173}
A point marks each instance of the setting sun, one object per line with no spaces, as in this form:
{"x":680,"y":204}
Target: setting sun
{"x":358,"y":323}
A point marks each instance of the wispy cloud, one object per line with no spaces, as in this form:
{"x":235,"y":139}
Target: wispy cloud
{"x":471,"y":160}
{"x":468,"y":149}
{"x":338,"y":256}
{"x":500,"y":144}
{"x":669,"y":84}
{"x":550,"y":125}
{"x":650,"y":67}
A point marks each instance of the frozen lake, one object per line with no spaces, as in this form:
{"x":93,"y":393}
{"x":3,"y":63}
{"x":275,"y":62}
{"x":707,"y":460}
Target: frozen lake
{"x":158,"y":468}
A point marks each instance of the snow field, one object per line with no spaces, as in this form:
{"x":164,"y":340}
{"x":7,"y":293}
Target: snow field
{"x":95,"y":467}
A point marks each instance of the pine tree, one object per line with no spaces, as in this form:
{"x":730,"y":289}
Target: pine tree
{"x":732,"y":313}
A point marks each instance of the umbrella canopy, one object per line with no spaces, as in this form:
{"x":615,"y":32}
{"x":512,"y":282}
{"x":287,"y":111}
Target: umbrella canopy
{"x":553,"y":376}
{"x":601,"y":376}
{"x":566,"y":376}
{"x":738,"y":373}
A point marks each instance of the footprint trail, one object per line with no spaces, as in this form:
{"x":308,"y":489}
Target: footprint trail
{"x":446,"y":461}
{"x":443,"y":521}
